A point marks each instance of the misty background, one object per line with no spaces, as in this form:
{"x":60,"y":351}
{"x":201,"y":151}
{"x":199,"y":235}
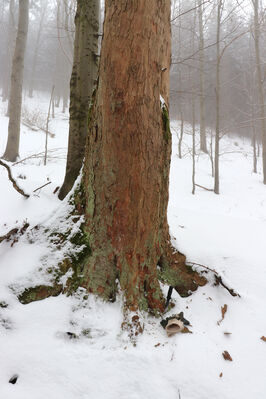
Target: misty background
{"x":49,"y":56}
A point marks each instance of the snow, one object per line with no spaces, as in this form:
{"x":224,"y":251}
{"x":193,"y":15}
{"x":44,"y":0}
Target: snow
{"x":225,"y":232}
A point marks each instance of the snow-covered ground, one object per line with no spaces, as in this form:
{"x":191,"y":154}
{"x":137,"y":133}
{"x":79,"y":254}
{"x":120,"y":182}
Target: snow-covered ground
{"x":225,"y":232}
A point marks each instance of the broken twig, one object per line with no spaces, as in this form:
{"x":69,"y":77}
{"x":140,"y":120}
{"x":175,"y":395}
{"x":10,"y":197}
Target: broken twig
{"x":46,"y":184}
{"x":204,"y":188}
{"x":218,"y":278}
{"x":16,"y":187}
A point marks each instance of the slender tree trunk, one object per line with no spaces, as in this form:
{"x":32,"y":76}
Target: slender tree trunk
{"x":181,"y":137}
{"x":211,"y":154}
{"x":9,"y":50}
{"x":254,"y":146}
{"x":203,"y":144}
{"x":12,"y":148}
{"x":126,"y":171}
{"x":260,"y":86}
{"x":84,"y":75}
{"x":47,"y":126}
{"x":193,"y":113}
{"x":193,"y":147}
{"x":217,"y":93}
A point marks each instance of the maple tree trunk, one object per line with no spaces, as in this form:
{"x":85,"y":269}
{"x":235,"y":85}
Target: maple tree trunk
{"x":126,"y":172}
{"x":84,"y":74}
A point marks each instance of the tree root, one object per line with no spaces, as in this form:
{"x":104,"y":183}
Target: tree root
{"x":39,"y":292}
{"x":16,"y":187}
{"x":177,"y":274}
{"x":218,"y":279}
{"x":14,"y":233}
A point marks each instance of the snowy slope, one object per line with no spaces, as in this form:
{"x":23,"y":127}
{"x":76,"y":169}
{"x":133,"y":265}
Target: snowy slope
{"x":225,"y":232}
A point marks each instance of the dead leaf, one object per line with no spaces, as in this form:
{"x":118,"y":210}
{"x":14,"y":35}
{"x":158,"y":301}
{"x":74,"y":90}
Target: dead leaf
{"x":186,"y":331}
{"x":223,"y":310}
{"x":227,"y":333}
{"x":263,"y":338}
{"x":221,"y":374}
{"x":157,"y":345}
{"x":227,"y":356}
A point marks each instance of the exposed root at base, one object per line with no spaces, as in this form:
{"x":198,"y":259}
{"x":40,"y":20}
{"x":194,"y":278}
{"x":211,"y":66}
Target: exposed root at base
{"x":218,"y":279}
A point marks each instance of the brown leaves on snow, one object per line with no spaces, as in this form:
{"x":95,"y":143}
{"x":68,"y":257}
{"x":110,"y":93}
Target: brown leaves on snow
{"x":223,"y":310}
{"x":227,"y":356}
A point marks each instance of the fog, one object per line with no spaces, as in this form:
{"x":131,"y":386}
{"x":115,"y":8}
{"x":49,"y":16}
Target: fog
{"x":49,"y":56}
{"x":49,"y":51}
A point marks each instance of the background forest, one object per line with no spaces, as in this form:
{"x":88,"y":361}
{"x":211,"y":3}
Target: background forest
{"x":78,"y":346}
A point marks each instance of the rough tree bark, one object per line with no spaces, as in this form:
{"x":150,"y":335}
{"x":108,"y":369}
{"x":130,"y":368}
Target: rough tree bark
{"x":84,"y":75}
{"x":126,"y":171}
{"x":260,"y":85}
{"x":15,"y":99}
{"x":123,"y":193}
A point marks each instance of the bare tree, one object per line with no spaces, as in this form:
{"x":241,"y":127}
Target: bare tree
{"x":9,"y":50}
{"x":15,"y":100}
{"x":43,"y":10}
{"x":260,"y":84}
{"x":217,"y":93}
{"x":203,"y":144}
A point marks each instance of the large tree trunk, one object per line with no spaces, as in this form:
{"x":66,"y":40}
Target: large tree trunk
{"x":126,"y":171}
{"x":84,"y":75}
{"x":260,"y":86}
{"x":15,"y":100}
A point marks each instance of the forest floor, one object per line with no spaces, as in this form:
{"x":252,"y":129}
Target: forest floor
{"x":225,"y":232}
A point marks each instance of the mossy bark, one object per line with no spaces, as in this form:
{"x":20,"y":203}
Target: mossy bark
{"x":82,"y":84}
{"x":127,"y":160}
{"x":124,"y":189}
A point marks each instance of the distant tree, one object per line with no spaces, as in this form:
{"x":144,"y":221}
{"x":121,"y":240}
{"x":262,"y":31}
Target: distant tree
{"x":262,"y":113}
{"x":41,"y":19}
{"x":203,"y":143}
{"x":15,"y":99}
{"x":82,"y":84}
{"x":9,"y":49}
{"x":217,"y":94}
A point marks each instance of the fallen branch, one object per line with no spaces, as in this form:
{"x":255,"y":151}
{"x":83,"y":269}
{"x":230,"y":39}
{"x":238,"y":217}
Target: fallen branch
{"x":40,"y":155}
{"x":8,"y":235}
{"x":36,"y":128}
{"x":46,"y":184}
{"x":204,"y":188}
{"x":13,"y":233}
{"x":218,"y":278}
{"x":16,"y":187}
